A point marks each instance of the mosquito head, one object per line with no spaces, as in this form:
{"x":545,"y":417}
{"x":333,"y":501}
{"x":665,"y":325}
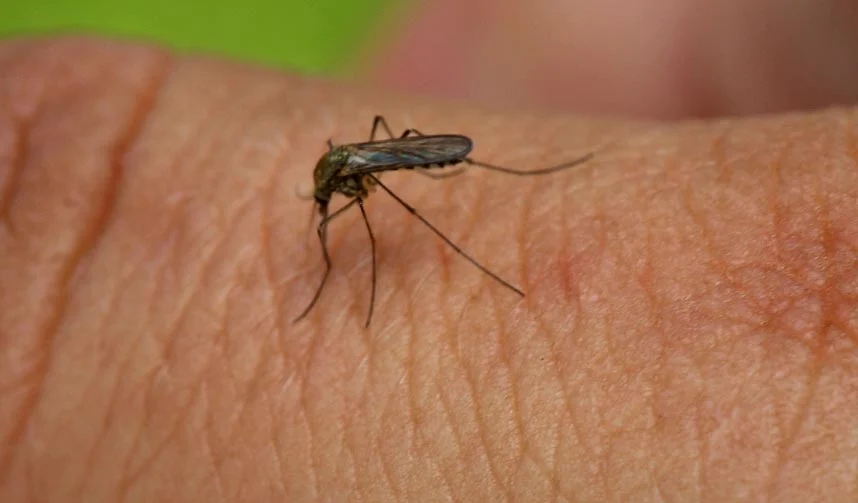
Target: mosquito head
{"x":325,"y":176}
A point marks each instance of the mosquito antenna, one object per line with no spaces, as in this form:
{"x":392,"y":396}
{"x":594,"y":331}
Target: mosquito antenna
{"x":446,"y":239}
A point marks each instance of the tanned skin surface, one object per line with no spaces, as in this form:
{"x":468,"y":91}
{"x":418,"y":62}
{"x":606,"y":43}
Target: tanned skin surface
{"x":689,"y":331}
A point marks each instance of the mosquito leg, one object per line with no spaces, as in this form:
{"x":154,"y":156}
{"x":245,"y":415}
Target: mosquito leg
{"x":379,"y":120}
{"x":446,"y":239}
{"x":411,"y":131}
{"x":322,"y":230}
{"x":439,"y":176}
{"x":544,"y":171}
{"x":372,"y":248}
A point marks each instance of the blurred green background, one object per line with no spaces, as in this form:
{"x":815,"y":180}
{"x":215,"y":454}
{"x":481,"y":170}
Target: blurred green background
{"x":318,"y":36}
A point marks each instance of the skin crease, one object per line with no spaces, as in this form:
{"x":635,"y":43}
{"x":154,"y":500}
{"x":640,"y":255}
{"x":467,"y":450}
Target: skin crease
{"x":689,"y":332}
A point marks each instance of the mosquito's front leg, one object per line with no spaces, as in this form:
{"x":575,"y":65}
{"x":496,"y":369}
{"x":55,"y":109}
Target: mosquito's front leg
{"x":322,"y":231}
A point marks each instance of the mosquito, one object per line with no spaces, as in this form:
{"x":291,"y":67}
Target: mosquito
{"x":352,"y":170}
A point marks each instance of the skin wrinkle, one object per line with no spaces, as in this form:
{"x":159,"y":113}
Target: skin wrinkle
{"x":646,"y":282}
{"x":705,"y":233}
{"x":410,"y":376}
{"x":168,"y":353}
{"x":215,"y":463}
{"x":457,"y":361}
{"x":251,"y":390}
{"x":88,"y":238}
{"x":504,"y":369}
{"x":276,"y":443}
{"x":457,"y":435}
{"x":350,"y":447}
{"x":20,"y":154}
{"x":564,"y":383}
{"x":556,"y":364}
{"x":718,"y":150}
{"x":146,"y":104}
{"x":128,"y":358}
{"x":387,"y":474}
{"x":133,"y":475}
{"x":805,"y":399}
{"x":386,"y":413}
{"x":469,"y":382}
{"x":208,"y":428}
{"x":263,"y":357}
{"x":305,"y":409}
{"x":482,"y":435}
{"x":36,"y":371}
{"x":504,"y":483}
{"x":599,"y":434}
{"x":521,"y":421}
{"x":809,"y":391}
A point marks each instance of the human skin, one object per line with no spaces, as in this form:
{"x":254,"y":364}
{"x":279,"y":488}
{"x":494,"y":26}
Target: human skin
{"x":689,"y":330}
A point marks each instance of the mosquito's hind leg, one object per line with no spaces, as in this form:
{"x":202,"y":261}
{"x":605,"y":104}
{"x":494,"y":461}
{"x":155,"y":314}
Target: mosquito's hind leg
{"x":517,"y":172}
{"x":447,"y":240}
{"x":379,"y":120}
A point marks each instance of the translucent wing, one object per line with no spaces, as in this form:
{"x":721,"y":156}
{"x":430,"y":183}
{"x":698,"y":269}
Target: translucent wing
{"x":375,"y":156}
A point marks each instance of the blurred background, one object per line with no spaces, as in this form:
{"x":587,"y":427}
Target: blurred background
{"x":318,"y":36}
{"x":664,"y":59}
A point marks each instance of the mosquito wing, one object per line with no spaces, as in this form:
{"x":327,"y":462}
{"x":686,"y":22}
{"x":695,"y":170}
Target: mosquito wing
{"x":415,"y":151}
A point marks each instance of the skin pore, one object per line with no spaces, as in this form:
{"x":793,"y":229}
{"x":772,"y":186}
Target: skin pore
{"x":689,"y":330}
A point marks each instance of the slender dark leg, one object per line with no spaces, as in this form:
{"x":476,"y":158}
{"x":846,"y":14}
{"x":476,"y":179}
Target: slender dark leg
{"x":379,"y":120}
{"x":544,"y":171}
{"x":372,"y":247}
{"x":446,"y":239}
{"x":322,"y":230}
